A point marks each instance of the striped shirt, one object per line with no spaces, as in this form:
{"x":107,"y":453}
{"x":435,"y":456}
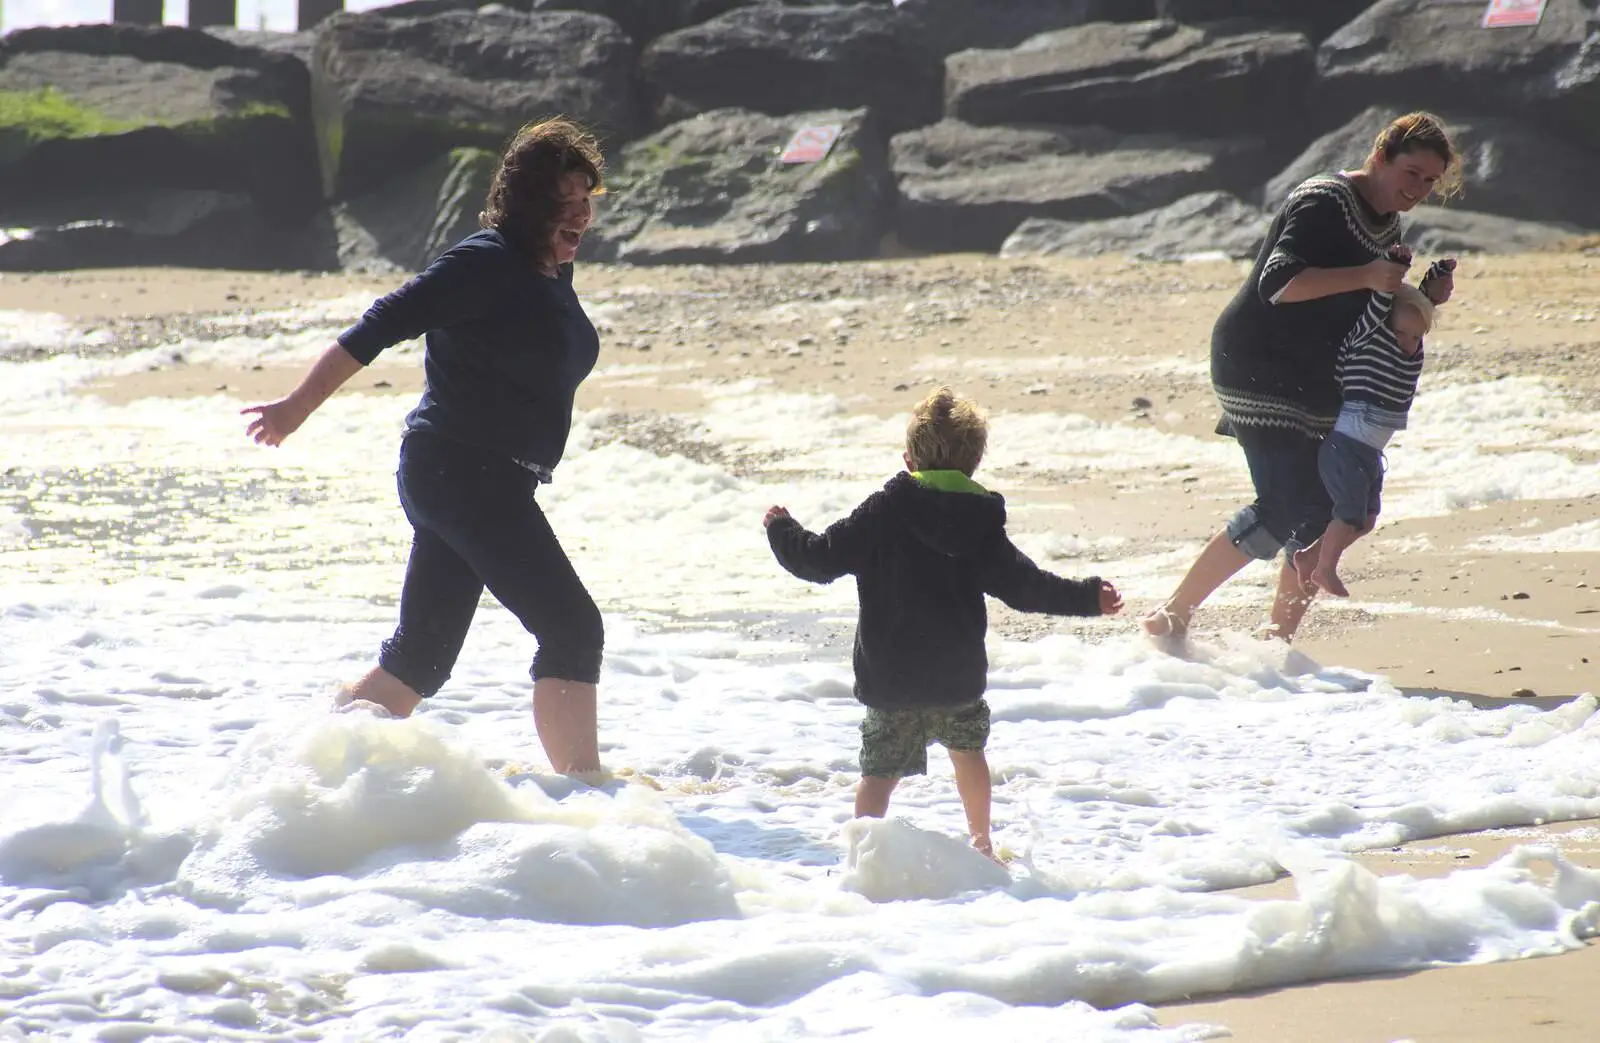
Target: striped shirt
{"x":1373,"y":370}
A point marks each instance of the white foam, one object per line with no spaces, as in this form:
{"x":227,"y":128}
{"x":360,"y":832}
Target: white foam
{"x":1580,"y":537}
{"x":187,"y":836}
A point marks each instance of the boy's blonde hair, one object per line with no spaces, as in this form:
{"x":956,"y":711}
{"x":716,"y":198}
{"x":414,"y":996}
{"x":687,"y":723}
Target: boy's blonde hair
{"x":1408,"y":296}
{"x":946,"y":433}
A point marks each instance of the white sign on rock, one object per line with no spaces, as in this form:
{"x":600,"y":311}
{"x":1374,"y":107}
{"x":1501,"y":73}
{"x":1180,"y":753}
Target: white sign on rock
{"x":1506,"y":14}
{"x":812,"y":144}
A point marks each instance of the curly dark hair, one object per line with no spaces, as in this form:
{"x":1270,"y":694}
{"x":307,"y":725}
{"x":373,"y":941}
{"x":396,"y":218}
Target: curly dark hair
{"x":523,"y":203}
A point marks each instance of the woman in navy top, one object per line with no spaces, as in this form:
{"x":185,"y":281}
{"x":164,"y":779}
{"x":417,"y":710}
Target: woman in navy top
{"x":508,"y":344}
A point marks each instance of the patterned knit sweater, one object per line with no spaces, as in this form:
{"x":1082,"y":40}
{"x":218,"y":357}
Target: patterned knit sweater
{"x":1274,"y":365}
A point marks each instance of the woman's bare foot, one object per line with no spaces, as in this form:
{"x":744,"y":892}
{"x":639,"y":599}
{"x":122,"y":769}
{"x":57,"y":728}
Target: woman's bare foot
{"x":1164,"y":622}
{"x":1329,"y":580}
{"x":1305,"y":566}
{"x":382,"y":689}
{"x":986,"y":849}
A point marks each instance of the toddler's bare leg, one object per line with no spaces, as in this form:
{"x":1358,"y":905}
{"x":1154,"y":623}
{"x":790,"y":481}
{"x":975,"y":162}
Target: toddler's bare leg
{"x":872,"y":795}
{"x":972,"y":782}
{"x":1334,"y":542}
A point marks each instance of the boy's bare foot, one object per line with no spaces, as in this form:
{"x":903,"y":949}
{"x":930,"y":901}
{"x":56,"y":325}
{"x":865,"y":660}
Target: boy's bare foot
{"x":1329,"y":580}
{"x":1305,"y":566}
{"x":1164,"y":622}
{"x":986,"y":849}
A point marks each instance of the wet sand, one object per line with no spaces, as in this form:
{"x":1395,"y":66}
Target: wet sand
{"x":1115,"y":341}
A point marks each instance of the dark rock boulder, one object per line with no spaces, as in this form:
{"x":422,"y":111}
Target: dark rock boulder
{"x":1204,"y":223}
{"x":153,"y":107}
{"x":1317,"y":19}
{"x":299,"y":46}
{"x":1431,"y":55}
{"x":1509,"y":167}
{"x":186,"y":228}
{"x":395,"y":94}
{"x":403,"y":224}
{"x":783,"y":60}
{"x":1143,"y":76}
{"x":960,"y":25}
{"x":713,"y":189}
{"x":1435,"y":231}
{"x":966,"y":188}
{"x":644,"y":20}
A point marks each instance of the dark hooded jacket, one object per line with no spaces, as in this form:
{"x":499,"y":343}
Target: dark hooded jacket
{"x":923,"y":559}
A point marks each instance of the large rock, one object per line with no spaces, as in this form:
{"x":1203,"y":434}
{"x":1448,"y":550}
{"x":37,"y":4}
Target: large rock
{"x":1317,"y":18}
{"x":1442,"y":231}
{"x":185,"y":228}
{"x":1143,"y":76}
{"x":152,"y":107}
{"x":783,"y":60}
{"x":394,"y":94}
{"x":1509,"y":167}
{"x":959,"y":25}
{"x":966,"y":188}
{"x":644,"y":20}
{"x":299,"y":46}
{"x":713,"y":189}
{"x":1430,"y":55}
{"x":1207,"y":223}
{"x":403,"y":224}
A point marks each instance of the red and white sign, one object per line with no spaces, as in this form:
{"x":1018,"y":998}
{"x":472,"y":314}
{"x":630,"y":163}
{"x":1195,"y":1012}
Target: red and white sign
{"x":811,"y":144}
{"x":1506,"y":14}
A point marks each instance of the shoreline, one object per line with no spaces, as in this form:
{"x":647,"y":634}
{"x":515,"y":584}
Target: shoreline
{"x":1440,"y":607}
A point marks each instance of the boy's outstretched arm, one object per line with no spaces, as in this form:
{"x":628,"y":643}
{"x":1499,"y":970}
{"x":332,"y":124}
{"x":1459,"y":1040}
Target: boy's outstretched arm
{"x":1011,"y":576}
{"x":820,"y":557}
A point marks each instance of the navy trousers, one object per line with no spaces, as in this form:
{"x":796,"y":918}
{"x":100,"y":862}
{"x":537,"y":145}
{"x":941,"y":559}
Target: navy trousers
{"x":477,"y":525}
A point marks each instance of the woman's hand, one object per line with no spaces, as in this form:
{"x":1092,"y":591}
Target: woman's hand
{"x":1382,"y":275}
{"x":773,"y":514}
{"x":1110,"y":600}
{"x":276,"y":421}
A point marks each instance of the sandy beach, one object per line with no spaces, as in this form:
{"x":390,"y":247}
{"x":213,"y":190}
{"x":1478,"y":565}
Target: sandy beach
{"x":1463,"y":602}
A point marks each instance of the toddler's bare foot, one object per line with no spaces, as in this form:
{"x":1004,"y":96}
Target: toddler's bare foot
{"x":1329,"y":580}
{"x":1305,"y":566}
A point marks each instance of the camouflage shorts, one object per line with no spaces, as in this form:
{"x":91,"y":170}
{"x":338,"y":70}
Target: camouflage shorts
{"x":894,"y":743}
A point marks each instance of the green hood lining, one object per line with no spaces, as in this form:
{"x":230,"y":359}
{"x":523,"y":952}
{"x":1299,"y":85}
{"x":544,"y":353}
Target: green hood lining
{"x":949,"y":482}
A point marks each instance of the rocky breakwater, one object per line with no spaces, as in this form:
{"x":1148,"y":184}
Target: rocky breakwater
{"x":124,"y":144}
{"x":1157,"y":127}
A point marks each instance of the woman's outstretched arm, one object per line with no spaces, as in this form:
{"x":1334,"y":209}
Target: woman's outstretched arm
{"x":276,"y":421}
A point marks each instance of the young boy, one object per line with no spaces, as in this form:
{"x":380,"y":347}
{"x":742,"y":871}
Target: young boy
{"x":1379,"y":365}
{"x":925,"y":549}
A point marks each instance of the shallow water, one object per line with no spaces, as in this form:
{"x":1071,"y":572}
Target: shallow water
{"x":188,"y":836}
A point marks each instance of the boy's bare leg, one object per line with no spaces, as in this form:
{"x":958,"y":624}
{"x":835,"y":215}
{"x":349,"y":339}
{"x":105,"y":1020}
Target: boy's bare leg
{"x":381,"y":687}
{"x":1289,"y":604}
{"x":565,"y":714}
{"x":872,"y":795}
{"x":1305,"y":563}
{"x":1334,"y":543}
{"x":975,"y":787}
{"x":1215,"y":566}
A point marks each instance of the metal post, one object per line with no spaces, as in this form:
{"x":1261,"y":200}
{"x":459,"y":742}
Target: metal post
{"x":310,"y":12}
{"x":212,"y":12}
{"x":140,"y":12}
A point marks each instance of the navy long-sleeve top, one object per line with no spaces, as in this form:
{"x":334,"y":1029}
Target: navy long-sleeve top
{"x":506,"y":349}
